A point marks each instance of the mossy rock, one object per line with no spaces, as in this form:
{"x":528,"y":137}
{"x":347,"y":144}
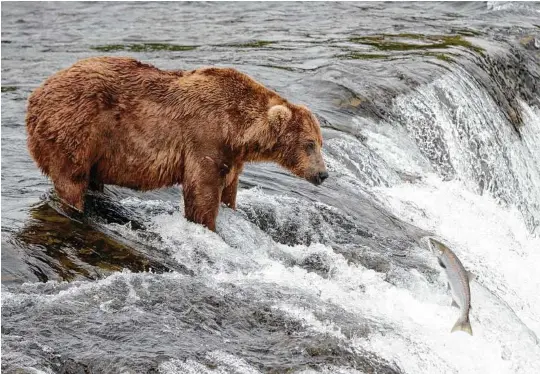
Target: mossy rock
{"x":391,"y":42}
{"x":373,"y":56}
{"x":144,"y":47}
{"x":466,"y":32}
{"x":254,"y":44}
{"x":72,"y":249}
{"x":363,"y":56}
{"x":441,"y":56}
{"x":352,"y":102}
{"x":9,"y":88}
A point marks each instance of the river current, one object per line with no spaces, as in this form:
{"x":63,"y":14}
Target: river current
{"x":430,"y":114}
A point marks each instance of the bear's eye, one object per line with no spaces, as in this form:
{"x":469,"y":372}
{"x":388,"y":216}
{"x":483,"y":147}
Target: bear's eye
{"x":310,"y":146}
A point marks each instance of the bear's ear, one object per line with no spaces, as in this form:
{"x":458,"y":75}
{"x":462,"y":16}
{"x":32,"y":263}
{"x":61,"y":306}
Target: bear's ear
{"x":278,"y":115}
{"x":265,"y":134}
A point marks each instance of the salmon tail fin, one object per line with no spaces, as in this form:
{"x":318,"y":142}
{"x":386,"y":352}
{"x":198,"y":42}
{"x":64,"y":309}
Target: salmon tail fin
{"x":463,"y":324}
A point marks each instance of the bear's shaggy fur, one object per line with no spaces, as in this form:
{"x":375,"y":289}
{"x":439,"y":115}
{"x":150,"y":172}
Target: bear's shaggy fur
{"x":114,"y":120}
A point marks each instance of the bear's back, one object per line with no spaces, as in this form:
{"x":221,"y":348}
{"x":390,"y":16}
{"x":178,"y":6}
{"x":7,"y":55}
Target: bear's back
{"x":119,"y":92}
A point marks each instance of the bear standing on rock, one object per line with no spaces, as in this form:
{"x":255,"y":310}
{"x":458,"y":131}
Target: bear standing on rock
{"x":114,"y":120}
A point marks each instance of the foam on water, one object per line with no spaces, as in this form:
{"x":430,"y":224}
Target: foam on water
{"x":225,"y":363}
{"x":229,"y":364}
{"x":60,"y":292}
{"x":493,"y":243}
{"x":405,"y":321}
{"x":409,"y":323}
{"x":460,"y":128}
{"x":352,"y":158}
{"x":485,"y":214}
{"x":509,"y":5}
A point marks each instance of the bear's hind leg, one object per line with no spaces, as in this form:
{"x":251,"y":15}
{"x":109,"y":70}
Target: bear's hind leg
{"x":70,"y":183}
{"x":71,"y":192}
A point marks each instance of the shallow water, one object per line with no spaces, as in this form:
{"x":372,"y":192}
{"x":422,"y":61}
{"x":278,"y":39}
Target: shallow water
{"x":431,"y":120}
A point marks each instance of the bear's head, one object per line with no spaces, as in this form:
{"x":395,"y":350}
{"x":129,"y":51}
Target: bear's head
{"x":292,"y":138}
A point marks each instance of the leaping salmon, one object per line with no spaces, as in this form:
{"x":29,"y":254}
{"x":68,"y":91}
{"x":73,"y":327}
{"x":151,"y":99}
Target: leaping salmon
{"x":458,"y":281}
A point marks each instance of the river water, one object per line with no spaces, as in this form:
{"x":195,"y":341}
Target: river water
{"x":431,"y":119}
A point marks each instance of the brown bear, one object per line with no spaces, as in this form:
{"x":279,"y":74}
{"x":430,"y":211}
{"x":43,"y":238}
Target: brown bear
{"x":115,"y":120}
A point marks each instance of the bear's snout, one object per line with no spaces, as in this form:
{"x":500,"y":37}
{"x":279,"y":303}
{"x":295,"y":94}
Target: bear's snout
{"x":319,"y":177}
{"x":322,"y":176}
{"x":316,"y":172}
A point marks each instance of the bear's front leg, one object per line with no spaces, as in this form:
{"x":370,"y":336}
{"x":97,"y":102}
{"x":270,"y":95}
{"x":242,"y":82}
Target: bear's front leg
{"x":202,"y":196}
